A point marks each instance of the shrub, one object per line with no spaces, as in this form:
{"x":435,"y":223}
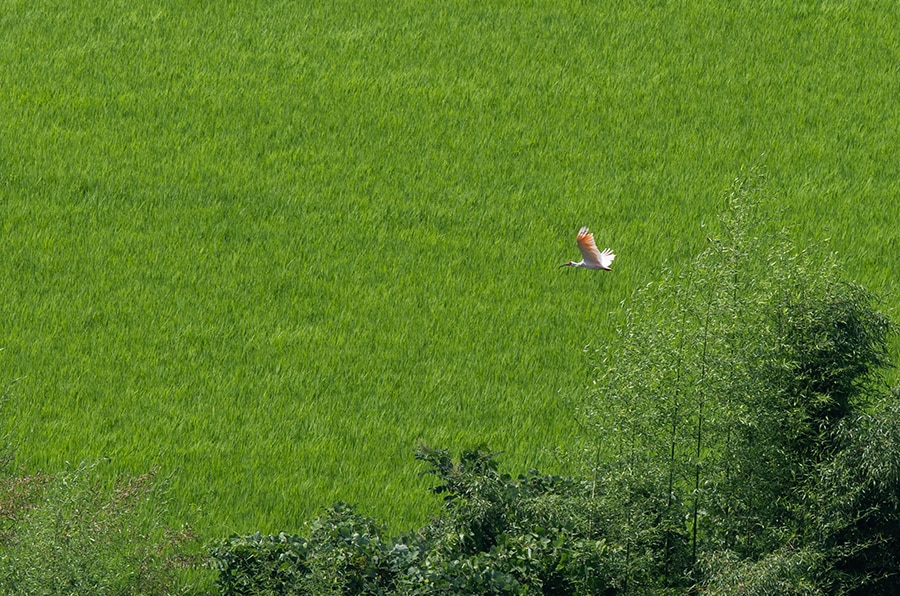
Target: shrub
{"x":342,"y":553}
{"x":730,"y":412}
{"x":258,"y":564}
{"x":853,"y":504}
{"x":497,"y":535}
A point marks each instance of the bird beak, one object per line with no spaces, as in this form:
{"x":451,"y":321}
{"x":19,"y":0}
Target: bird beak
{"x":563,"y":265}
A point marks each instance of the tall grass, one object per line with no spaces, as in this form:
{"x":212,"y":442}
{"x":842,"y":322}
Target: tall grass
{"x":271,"y":246}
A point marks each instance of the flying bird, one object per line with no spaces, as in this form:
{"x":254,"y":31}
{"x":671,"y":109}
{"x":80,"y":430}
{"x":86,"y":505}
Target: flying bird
{"x":591,"y":257}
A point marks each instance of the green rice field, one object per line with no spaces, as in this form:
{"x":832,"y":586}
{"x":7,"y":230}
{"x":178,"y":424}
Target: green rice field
{"x":268,"y":247}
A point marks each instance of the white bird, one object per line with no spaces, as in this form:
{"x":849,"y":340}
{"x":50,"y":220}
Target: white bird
{"x":591,"y":257}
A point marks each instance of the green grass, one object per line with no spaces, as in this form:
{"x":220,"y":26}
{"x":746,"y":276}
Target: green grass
{"x":272,"y":246}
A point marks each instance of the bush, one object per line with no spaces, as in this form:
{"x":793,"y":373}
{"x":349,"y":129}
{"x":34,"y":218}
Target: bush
{"x":497,"y":535}
{"x":730,"y":415}
{"x":343,"y":553}
{"x":258,"y":564}
{"x":853,"y":504}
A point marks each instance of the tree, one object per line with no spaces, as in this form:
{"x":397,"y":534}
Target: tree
{"x":738,"y":388}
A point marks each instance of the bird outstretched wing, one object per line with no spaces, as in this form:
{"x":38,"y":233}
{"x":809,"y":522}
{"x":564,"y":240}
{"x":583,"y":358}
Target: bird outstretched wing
{"x":606,"y":258}
{"x":588,"y":247}
{"x":593,"y":258}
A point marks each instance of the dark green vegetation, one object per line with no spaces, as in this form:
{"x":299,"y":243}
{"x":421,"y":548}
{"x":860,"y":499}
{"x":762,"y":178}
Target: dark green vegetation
{"x":742,"y":441}
{"x":267,"y":247}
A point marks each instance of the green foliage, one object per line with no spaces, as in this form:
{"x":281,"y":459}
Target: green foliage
{"x":727,"y":416}
{"x":833,"y":342}
{"x":258,"y":564}
{"x":788,"y":571}
{"x":497,"y":535}
{"x":343,"y":553}
{"x":70,"y":534}
{"x":540,"y":531}
{"x":853,"y":504}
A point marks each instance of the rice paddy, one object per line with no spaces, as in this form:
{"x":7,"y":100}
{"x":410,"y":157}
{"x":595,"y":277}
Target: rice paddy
{"x":270,"y":246}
